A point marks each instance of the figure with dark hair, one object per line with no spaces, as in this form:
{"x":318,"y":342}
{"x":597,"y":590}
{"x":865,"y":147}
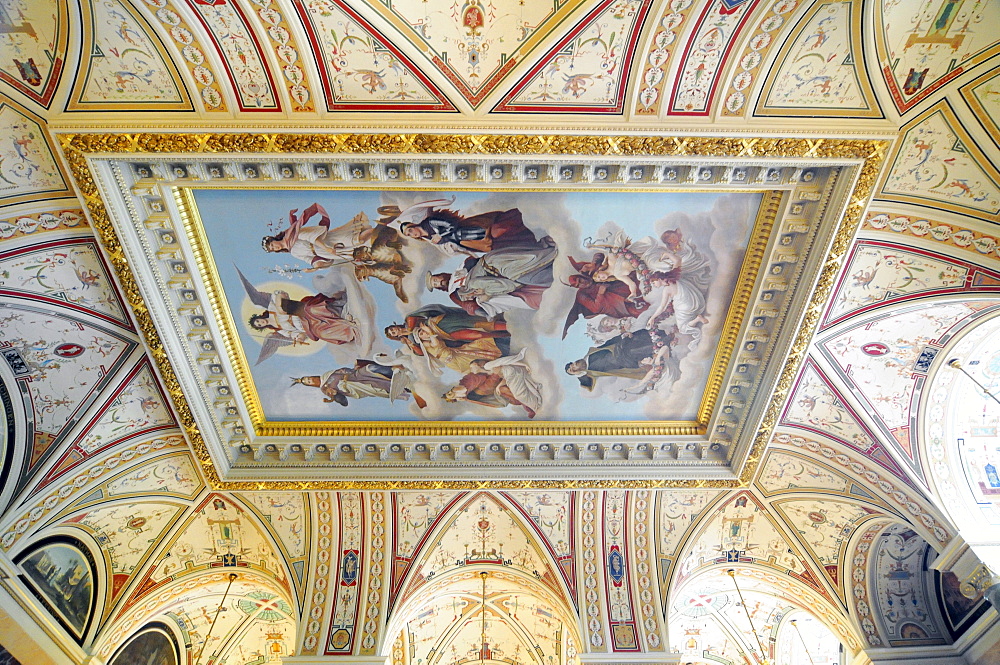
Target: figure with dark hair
{"x":501,"y":280}
{"x":453,"y":232}
{"x":314,"y":318}
{"x":630,"y":355}
{"x":451,"y":337}
{"x":610,"y":298}
{"x":319,"y":245}
{"x":497,"y":384}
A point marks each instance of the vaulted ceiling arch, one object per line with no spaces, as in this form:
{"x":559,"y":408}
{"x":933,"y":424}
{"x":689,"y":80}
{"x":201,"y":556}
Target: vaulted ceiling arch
{"x":925,"y":246}
{"x":191,"y":606}
{"x":448,"y":615}
{"x":959,"y":415}
{"x":713,"y":596}
{"x":495,"y":523}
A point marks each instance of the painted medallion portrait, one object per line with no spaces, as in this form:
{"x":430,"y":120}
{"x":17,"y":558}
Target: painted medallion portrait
{"x":537,"y":306}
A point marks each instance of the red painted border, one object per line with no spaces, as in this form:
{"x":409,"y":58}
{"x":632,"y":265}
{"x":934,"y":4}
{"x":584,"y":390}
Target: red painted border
{"x":395,"y":584}
{"x":45,"y":98}
{"x":571,"y":514}
{"x":505,"y":105}
{"x":901,"y":104}
{"x":974,"y":269}
{"x":324,"y":74}
{"x":225,"y":62}
{"x":362,"y":567}
{"x":51,"y":244}
{"x":893,"y":468}
{"x":53,"y":474}
{"x":626,"y":576}
{"x":751,"y":6}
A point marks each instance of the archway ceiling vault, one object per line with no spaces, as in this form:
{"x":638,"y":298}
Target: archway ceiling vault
{"x":98,"y":448}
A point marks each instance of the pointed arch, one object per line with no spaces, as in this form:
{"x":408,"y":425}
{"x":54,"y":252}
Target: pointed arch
{"x":473,"y":539}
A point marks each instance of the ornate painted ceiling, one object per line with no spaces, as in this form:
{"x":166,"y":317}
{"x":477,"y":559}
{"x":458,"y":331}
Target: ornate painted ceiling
{"x":856,"y":502}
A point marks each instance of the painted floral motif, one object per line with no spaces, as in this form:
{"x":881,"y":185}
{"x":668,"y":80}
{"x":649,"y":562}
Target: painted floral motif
{"x":782,"y":471}
{"x":708,"y":620}
{"x":890,"y":488}
{"x":72,"y":273}
{"x":718,"y":27}
{"x":926,"y":44}
{"x":126,"y":532}
{"x":349,"y":567}
{"x":56,"y":220}
{"x":474,"y":42}
{"x":664,"y":45}
{"x":174,"y":474}
{"x":588,"y":71}
{"x":677,"y":512}
{"x":26,"y":162}
{"x":815,"y":406}
{"x":70,"y":489}
{"x":286,"y":513}
{"x":877,"y":273}
{"x":520,"y":623}
{"x":33,"y":42}
{"x":360,"y":68}
{"x":753,"y":55}
{"x":218,"y":532}
{"x":819,"y":70}
{"x":955,"y":236}
{"x":270,"y":638}
{"x":192,"y":608}
{"x":824,"y":525}
{"x":618,"y":573}
{"x":985,"y":101}
{"x":238,"y":46}
{"x":67,"y":361}
{"x":199,"y":66}
{"x":280,"y":37}
{"x":138,"y":408}
{"x":125,"y":65}
{"x":934,"y":164}
{"x":416,"y":512}
{"x":483,"y":530}
{"x":551,"y":512}
{"x":898,"y":582}
{"x":881,"y":356}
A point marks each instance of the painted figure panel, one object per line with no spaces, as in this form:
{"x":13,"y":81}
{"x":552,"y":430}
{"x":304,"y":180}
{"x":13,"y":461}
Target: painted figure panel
{"x":126,"y":65}
{"x":361,"y":305}
{"x":925,"y":44}
{"x":69,"y":272}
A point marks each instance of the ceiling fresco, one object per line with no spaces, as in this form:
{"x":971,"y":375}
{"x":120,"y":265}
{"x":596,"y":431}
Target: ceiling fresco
{"x":803,"y":465}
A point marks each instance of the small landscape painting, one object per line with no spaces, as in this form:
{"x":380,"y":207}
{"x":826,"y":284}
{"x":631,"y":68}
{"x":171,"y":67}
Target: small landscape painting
{"x":63,"y":576}
{"x":153,"y":645}
{"x":400,"y":305}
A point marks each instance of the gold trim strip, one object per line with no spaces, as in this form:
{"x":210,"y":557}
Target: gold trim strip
{"x":869,"y":152}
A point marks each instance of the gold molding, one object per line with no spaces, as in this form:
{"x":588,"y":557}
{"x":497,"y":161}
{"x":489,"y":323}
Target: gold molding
{"x":869,"y":153}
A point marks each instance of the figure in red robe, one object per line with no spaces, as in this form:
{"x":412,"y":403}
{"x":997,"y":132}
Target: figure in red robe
{"x":610,"y":298}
